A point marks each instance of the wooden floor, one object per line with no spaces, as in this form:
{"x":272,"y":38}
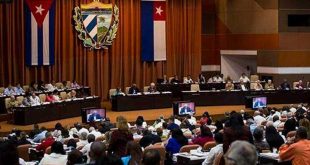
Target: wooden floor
{"x":149,"y":115}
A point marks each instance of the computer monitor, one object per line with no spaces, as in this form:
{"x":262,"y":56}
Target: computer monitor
{"x":182,"y":108}
{"x":90,"y":115}
{"x":259,"y":102}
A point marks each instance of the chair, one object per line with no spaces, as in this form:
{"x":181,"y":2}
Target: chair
{"x":68,"y":84}
{"x":42,"y":97}
{"x":293,"y":87}
{"x":184,"y":78}
{"x":127,"y":90}
{"x":252,"y":86}
{"x":20,"y":99}
{"x":26,"y":88}
{"x":7,"y":103}
{"x":22,"y":151}
{"x":145,"y":89}
{"x":195,"y":87}
{"x":1,"y":89}
{"x":100,"y":138}
{"x":63,"y":95}
{"x":59,"y":85}
{"x":188,"y":148}
{"x":161,"y":149}
{"x":209,"y":145}
{"x":111,"y":92}
{"x":254,"y":78}
{"x":217,"y":159}
{"x":48,"y":150}
{"x":137,"y":140}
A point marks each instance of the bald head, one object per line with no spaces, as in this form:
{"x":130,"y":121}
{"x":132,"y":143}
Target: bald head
{"x":97,"y":150}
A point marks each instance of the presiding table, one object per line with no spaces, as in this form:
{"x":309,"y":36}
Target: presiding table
{"x":53,"y":111}
{"x":237,"y":97}
{"x":142,"y":101}
{"x":80,"y":92}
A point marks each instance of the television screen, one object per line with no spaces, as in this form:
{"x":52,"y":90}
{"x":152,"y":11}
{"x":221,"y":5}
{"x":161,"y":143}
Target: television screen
{"x":93,"y":115}
{"x":184,"y":108}
{"x":259,"y":102}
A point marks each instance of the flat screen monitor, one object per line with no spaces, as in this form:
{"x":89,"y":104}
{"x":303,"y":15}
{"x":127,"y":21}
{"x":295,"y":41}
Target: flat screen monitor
{"x":184,"y":108}
{"x":259,"y":102}
{"x":90,"y":115}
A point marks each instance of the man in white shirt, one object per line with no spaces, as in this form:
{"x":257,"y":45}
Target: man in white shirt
{"x":244,"y":78}
{"x":34,"y":100}
{"x":58,"y":155}
{"x":258,"y":118}
{"x":93,"y":131}
{"x":85,"y":150}
{"x":9,"y":90}
{"x":217,"y":78}
{"x":215,"y":150}
{"x":83,"y":140}
{"x":188,"y":80}
{"x":51,"y":86}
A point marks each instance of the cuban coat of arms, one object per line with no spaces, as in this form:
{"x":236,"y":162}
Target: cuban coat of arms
{"x":96,"y":23}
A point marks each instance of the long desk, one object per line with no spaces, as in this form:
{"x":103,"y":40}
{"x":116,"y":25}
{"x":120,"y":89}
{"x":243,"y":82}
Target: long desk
{"x":215,"y":98}
{"x":53,"y":111}
{"x":80,"y":92}
{"x":139,"y":102}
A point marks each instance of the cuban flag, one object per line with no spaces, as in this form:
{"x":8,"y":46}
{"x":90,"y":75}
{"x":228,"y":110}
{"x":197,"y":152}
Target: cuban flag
{"x":153,"y":29}
{"x":39,"y":32}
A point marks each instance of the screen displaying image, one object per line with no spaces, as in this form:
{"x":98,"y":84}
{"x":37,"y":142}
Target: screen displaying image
{"x":259,"y":102}
{"x":186,"y":108}
{"x":94,"y":115}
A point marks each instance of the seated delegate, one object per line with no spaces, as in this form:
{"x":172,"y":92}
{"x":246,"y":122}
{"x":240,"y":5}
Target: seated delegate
{"x":134,"y":89}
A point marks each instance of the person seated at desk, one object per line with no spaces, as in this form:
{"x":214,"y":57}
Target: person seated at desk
{"x":55,"y":95}
{"x":269,"y":85}
{"x":188,"y":80}
{"x":13,"y":102}
{"x":228,"y":78}
{"x":175,"y":80}
{"x":72,"y":94}
{"x":243,"y":86}
{"x":41,"y":86}
{"x":217,"y":78}
{"x":94,"y":116}
{"x":152,"y":88}
{"x":26,"y":100}
{"x":229,"y":86}
{"x":9,"y":90}
{"x":118,"y":92}
{"x":34,"y":100}
{"x":133,"y":90}
{"x":285,"y":85}
{"x":33,"y":87}
{"x":201,"y":79}
{"x":299,"y":151}
{"x":49,"y":140}
{"x":50,"y":98}
{"x":258,"y":86}
{"x":74,"y":84}
{"x":18,"y":89}
{"x":185,"y":110}
{"x":165,"y":80}
{"x":244,"y":78}
{"x":299,"y":85}
{"x":51,"y":86}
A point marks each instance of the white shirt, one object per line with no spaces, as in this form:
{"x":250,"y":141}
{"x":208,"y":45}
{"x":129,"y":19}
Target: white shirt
{"x":217,"y":79}
{"x":54,"y":159}
{"x":81,"y":143}
{"x":35,"y":101}
{"x":83,"y":130}
{"x":211,"y":155}
{"x":85,"y":150}
{"x":50,"y":87}
{"x":276,"y":123}
{"x":188,"y":81}
{"x":244,"y":79}
{"x":96,"y":133}
{"x":259,"y":119}
{"x":178,"y":122}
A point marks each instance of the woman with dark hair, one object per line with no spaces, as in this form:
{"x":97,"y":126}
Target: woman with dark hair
{"x":204,"y":137}
{"x":140,"y":123}
{"x":289,"y":125}
{"x":58,"y":155}
{"x":205,"y":119}
{"x":236,"y":131}
{"x":176,"y":141}
{"x":57,"y":131}
{"x":134,"y":152}
{"x":273,"y":138}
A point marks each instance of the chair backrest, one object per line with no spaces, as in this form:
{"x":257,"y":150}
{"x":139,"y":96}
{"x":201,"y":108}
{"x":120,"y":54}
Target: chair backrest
{"x":162,"y":151}
{"x":170,"y":78}
{"x":254,"y":78}
{"x":22,"y":151}
{"x":7,"y":103}
{"x":68,"y":84}
{"x":294,"y":84}
{"x":188,"y":148}
{"x":63,"y":95}
{"x":127,"y":90}
{"x":195,"y":87}
{"x":1,"y":89}
{"x":218,"y":158}
{"x":252,"y":85}
{"x":146,"y":88}
{"x":209,"y":145}
{"x":111,"y":92}
{"x":48,"y":150}
{"x":42,"y":97}
{"x":26,"y":88}
{"x":184,"y":78}
{"x":20,"y":99}
{"x":59,"y":85}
